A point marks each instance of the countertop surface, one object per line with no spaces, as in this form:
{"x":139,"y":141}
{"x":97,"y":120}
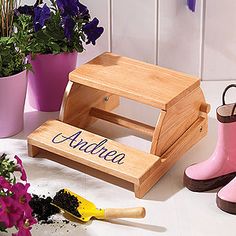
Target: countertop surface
{"x":172,"y":210}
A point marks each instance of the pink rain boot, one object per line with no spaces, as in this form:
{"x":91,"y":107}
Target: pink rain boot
{"x":226,"y":197}
{"x":220,"y":168}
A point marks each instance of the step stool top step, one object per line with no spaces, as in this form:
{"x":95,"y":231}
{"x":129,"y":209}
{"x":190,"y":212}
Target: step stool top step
{"x":136,"y":80}
{"x":94,"y":151}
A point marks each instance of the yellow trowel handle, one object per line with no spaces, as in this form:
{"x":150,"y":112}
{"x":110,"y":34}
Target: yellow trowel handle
{"x":136,"y":212}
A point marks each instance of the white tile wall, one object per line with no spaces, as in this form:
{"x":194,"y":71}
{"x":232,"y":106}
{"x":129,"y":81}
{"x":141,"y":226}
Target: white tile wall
{"x":179,"y":42}
{"x":134,"y":29}
{"x":165,"y":32}
{"x":220,"y":40}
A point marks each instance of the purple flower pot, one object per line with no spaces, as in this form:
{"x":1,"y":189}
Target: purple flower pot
{"x":12,"y":101}
{"x":49,"y":78}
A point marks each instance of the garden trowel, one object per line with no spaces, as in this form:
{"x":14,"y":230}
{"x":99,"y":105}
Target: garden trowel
{"x":84,"y":210}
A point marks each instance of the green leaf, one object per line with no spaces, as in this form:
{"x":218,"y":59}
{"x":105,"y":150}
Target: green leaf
{"x":2,"y":228}
{"x":11,"y":60}
{"x":4,"y":39}
{"x":0,"y":64}
{"x":11,"y":40}
{"x":28,"y":67}
{"x":64,"y":48}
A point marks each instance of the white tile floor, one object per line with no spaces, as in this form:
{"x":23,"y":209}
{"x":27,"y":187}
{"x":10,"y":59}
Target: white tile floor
{"x":172,"y":210}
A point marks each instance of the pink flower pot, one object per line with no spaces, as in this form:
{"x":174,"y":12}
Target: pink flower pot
{"x":49,"y":78}
{"x":12,"y":101}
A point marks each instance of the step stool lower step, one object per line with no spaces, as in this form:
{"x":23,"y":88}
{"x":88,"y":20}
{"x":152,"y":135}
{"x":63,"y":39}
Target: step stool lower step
{"x":96,"y":152}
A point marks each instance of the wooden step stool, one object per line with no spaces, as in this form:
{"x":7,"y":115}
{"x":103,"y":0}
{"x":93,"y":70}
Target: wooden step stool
{"x":93,"y":91}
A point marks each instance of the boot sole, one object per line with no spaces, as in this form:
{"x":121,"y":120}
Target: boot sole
{"x":229,"y":207}
{"x":209,"y":184}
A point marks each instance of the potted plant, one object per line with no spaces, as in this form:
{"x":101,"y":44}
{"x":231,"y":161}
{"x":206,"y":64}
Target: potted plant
{"x":52,"y":36}
{"x":13,"y":81}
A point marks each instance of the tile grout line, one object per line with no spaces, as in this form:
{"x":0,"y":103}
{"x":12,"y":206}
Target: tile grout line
{"x":202,"y":38}
{"x":156,"y":58}
{"x":110,"y":25}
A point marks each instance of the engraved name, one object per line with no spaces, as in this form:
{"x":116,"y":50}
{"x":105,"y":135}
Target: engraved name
{"x":96,"y":149}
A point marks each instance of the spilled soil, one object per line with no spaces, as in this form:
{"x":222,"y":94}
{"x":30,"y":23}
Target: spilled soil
{"x":43,"y":209}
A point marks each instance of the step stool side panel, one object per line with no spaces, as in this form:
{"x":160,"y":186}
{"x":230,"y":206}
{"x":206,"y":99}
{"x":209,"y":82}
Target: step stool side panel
{"x":157,"y":132}
{"x":178,"y":119}
{"x":78,"y":101}
{"x":195,"y":133}
{"x":192,"y":135}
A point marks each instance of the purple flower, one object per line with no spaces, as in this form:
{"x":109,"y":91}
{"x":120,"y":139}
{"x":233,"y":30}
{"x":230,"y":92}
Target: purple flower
{"x":191,"y":5}
{"x":9,"y":212}
{"x":20,"y":168}
{"x":26,"y":221}
{"x":83,"y":11}
{"x":2,"y":205}
{"x":24,"y":226}
{"x":92,"y":31}
{"x":23,"y":232}
{"x":20,"y":195}
{"x":21,"y":200}
{"x":68,"y":7}
{"x":27,"y":10}
{"x":40,"y":16}
{"x":69,"y":24}
{"x":4,"y":184}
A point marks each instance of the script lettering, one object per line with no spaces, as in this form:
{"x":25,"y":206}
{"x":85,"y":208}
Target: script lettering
{"x":96,"y":149}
